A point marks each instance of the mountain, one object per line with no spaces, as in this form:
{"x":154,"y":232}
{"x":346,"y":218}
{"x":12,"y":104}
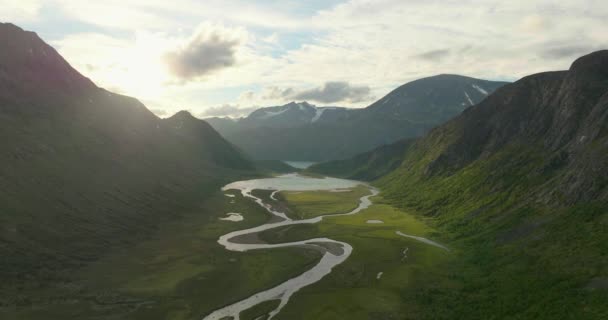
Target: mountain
{"x":367,"y":166}
{"x":290,"y":115}
{"x":84,"y":171}
{"x":293,"y":114}
{"x":301,"y":131}
{"x":519,"y":184}
{"x":433,"y":99}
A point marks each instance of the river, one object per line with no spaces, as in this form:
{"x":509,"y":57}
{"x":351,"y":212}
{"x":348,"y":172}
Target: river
{"x":334,"y":252}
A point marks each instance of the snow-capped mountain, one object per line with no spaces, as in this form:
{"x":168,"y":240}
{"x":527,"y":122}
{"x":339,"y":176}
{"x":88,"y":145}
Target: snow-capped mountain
{"x":302,"y":131}
{"x":290,"y":115}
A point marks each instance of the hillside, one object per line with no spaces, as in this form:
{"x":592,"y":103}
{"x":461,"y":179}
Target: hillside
{"x":84,"y":171}
{"x":519,"y":184}
{"x":301,"y":131}
{"x":367,"y":166}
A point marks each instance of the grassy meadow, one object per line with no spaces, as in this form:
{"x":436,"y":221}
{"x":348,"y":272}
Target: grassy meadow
{"x":180,"y":273}
{"x":377,"y":281}
{"x":310,"y":204}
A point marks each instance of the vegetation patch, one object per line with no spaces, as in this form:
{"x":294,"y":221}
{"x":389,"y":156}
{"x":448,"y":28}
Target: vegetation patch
{"x":310,"y":204}
{"x":180,"y":273}
{"x":353,"y":290}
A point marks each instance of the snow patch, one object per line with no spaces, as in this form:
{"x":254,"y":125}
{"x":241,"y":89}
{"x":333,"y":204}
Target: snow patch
{"x":374,"y":221}
{"x":468,"y":98}
{"x":480,"y":89}
{"x":232,"y":216}
{"x":318,"y":114}
{"x":271,"y":114}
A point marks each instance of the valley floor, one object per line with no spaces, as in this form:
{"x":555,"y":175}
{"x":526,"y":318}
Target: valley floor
{"x":183,"y":273}
{"x":386,"y":274}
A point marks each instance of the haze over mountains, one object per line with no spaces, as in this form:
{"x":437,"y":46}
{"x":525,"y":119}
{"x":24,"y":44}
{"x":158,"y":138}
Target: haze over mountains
{"x":301,"y":131}
{"x":84,"y":170}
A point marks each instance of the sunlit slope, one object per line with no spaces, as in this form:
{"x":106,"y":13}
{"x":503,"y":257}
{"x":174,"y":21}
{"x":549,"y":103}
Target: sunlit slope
{"x":366,"y":166}
{"x":84,"y":170}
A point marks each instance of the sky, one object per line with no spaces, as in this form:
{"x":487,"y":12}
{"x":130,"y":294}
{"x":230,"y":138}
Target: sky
{"x":228,"y":57}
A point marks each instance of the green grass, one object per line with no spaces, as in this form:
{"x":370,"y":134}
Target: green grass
{"x":352,"y":290}
{"x":180,"y":273}
{"x":537,"y":258}
{"x":305,"y":205}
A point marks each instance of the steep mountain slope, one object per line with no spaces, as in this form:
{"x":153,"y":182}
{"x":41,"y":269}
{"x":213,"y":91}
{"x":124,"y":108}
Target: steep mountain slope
{"x":300,"y":131}
{"x":366,"y":166}
{"x":84,"y":170}
{"x":433,"y":99}
{"x":519,"y":186}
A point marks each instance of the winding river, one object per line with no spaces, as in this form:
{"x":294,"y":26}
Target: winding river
{"x":334,"y":252}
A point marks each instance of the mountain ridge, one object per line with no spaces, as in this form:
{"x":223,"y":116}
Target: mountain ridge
{"x":408,"y":111}
{"x":85,"y":171}
{"x":518,"y":185}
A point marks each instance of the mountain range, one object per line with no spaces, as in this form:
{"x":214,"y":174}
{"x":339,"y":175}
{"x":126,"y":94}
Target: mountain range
{"x":303,"y":132}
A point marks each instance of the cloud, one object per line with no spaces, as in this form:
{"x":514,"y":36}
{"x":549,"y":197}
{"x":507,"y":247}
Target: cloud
{"x":20,"y":10}
{"x":271,"y":39}
{"x":433,"y":55}
{"x":226,"y":110}
{"x":567,"y":51}
{"x":159,"y":112}
{"x":277,"y":93}
{"x":210,"y":49}
{"x":535,"y":23}
{"x":330,"y":92}
{"x":356,"y":41}
{"x":338,"y":91}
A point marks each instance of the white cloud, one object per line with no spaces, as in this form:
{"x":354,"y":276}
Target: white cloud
{"x":160,"y":112}
{"x":20,"y":10}
{"x":329,"y":92}
{"x":378,"y":44}
{"x":132,"y":66}
{"x":226,"y":110}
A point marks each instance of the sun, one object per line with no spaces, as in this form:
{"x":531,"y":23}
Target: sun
{"x":135,"y":68}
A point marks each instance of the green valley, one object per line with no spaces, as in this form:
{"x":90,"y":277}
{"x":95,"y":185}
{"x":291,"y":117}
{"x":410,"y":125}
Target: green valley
{"x":179,"y":273}
{"x":447,"y":197}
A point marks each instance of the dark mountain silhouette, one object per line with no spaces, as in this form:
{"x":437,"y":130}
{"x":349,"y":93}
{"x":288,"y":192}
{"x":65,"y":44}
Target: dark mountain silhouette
{"x":84,"y":170}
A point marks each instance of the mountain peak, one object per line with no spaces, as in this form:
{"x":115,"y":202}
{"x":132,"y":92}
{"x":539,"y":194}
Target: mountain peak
{"x":26,"y":61}
{"x":9,"y":26}
{"x":302,"y":104}
{"x":183,"y":114}
{"x":595,"y":62}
